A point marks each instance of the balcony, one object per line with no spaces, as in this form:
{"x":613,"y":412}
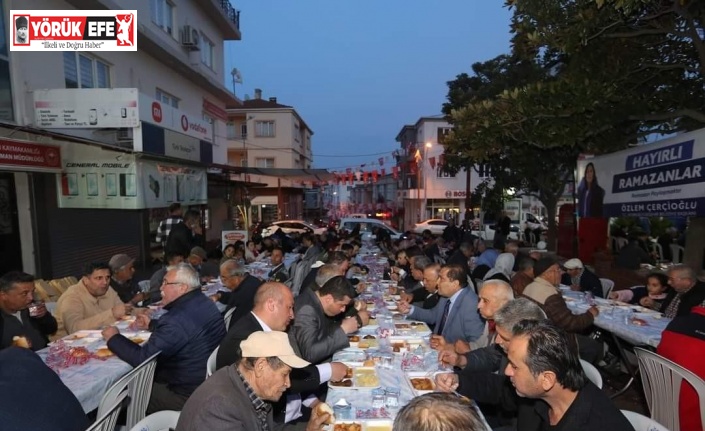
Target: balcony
{"x":226,"y":17}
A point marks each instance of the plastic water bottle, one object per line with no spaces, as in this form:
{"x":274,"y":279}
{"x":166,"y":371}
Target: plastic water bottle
{"x":589,"y":299}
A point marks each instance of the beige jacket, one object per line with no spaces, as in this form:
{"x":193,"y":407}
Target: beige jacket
{"x":77,"y":309}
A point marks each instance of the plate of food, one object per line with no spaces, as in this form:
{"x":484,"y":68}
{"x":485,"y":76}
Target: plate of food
{"x":368,"y":341}
{"x":362,"y":378}
{"x":103,"y":353}
{"x":421,"y":382}
{"x":379,"y":425}
{"x":346,"y":426}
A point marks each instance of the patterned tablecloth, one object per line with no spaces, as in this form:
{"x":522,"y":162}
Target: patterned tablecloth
{"x":90,"y":381}
{"x":617,"y":318}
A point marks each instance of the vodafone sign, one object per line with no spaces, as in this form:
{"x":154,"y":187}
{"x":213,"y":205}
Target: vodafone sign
{"x":163,"y":115}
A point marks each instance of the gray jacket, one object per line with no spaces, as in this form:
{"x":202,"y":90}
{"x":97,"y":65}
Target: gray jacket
{"x":463,"y":322}
{"x":318,"y":336}
{"x":221,"y":404}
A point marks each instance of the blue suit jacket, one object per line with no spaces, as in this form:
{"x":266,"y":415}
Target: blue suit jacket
{"x":463,"y":322}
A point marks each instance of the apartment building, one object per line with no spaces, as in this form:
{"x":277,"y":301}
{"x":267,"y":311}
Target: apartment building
{"x":110,"y":180}
{"x":264,"y":133}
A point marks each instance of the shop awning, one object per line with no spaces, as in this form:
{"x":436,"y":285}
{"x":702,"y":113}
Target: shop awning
{"x":293,"y":174}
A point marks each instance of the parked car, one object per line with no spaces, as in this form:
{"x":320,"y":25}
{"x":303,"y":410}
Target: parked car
{"x":435,"y":225}
{"x":293,"y":226}
{"x":366,"y":226}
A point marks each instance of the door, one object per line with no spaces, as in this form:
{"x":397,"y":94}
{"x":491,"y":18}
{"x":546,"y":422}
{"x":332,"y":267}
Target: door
{"x":10,"y":245}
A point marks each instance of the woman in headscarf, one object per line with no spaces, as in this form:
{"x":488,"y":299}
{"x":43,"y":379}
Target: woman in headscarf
{"x":502,"y":268}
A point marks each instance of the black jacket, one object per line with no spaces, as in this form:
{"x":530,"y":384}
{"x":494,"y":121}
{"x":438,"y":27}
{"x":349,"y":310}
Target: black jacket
{"x":243,"y":298}
{"x":692,"y":298}
{"x":37,"y":330}
{"x":181,"y":240}
{"x":589,"y":282}
{"x":34,"y":397}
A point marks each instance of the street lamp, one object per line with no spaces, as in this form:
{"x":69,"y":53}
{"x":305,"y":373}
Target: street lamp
{"x":427,"y":146}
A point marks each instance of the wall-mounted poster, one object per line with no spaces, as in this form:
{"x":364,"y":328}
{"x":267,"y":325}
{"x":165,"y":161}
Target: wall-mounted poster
{"x":165,"y":183}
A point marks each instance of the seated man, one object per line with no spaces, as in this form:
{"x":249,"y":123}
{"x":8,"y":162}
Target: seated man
{"x":416,"y":293}
{"x":315,"y":334}
{"x":238,"y":397}
{"x":455,"y":316}
{"x":34,"y":397}
{"x":687,"y":292}
{"x":243,"y":288}
{"x":438,"y":412}
{"x":122,"y":268}
{"x":524,"y":275}
{"x":580,"y":278}
{"x":548,"y":389}
{"x":683,"y":342}
{"x":274,"y":309}
{"x":90,"y":304}
{"x":16,"y":319}
{"x":544,"y":291}
{"x":186,"y":336}
{"x":491,"y":361}
{"x":431,"y":275}
{"x":279,"y":273}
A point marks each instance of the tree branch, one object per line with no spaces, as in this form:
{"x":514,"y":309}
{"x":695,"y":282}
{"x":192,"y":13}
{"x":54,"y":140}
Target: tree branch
{"x":639,"y":33}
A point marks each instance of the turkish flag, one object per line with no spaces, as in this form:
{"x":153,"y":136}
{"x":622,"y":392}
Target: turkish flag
{"x":382,"y":172}
{"x":395,"y":171}
{"x":432,"y":162}
{"x":413,"y":167}
{"x":374,"y":176}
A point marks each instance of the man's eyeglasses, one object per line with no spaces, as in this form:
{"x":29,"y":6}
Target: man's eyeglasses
{"x":169,"y":283}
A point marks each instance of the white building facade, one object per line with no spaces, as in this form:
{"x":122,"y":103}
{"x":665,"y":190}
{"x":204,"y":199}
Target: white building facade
{"x":118,"y":173}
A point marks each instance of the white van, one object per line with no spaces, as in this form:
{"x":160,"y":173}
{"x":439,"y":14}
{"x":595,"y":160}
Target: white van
{"x":366,"y":226}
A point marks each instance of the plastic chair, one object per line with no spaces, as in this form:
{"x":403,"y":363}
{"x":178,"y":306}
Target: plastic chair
{"x":210,"y":365}
{"x":158,"y":421}
{"x":662,"y":379}
{"x":656,"y":247}
{"x":138,"y":385}
{"x":228,"y":317}
{"x":677,"y":252}
{"x":592,"y":373}
{"x":106,"y":421}
{"x":642,"y":423}
{"x":607,"y":286}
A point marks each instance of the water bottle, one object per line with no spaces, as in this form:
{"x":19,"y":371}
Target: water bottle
{"x":589,"y":299}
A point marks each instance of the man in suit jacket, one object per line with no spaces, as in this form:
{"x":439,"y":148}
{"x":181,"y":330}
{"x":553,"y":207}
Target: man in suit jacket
{"x":431,"y":275}
{"x":185,"y":235}
{"x":243,"y":288}
{"x":455,"y":316}
{"x":273,"y":311}
{"x":316,"y":335}
{"x":279,"y":273}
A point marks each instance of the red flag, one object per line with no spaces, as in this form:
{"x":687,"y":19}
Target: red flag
{"x":350,"y":178}
{"x":364,"y":177}
{"x":374,"y":176}
{"x":382,"y":173}
{"x":395,"y":171}
{"x":413,"y":168}
{"x":432,"y":162}
{"x":442,"y":160}
{"x":381,"y":161}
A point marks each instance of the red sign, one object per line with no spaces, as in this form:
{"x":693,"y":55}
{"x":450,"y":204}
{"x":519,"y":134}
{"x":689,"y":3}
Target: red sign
{"x":156,"y":112}
{"x":215,"y":110}
{"x":20,"y":153}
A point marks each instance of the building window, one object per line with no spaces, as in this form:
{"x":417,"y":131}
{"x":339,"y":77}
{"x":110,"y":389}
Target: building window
{"x":210,"y":120}
{"x":230,"y":130}
{"x":442,"y":173}
{"x":243,"y":131}
{"x":243,"y":162}
{"x":167,"y":99}
{"x":84,"y":71}
{"x":264,"y":129}
{"x":163,"y":14}
{"x":207,"y":49}
{"x":264,"y":162}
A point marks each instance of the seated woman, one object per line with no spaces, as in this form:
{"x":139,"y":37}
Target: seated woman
{"x":502,"y":268}
{"x":228,"y":252}
{"x":649,"y":296}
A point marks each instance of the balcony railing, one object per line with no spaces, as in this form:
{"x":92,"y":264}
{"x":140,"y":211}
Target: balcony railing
{"x":232,"y":13}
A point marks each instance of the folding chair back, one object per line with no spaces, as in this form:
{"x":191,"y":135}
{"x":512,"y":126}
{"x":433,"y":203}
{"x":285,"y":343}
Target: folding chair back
{"x":107,"y":421}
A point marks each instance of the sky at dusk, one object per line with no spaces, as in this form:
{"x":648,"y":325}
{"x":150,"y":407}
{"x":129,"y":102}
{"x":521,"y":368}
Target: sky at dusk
{"x":357,"y":71}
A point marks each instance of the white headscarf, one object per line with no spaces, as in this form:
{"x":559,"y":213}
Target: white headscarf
{"x":503,"y":265}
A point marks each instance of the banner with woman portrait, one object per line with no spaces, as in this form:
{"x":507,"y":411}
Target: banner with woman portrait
{"x":664,"y":178}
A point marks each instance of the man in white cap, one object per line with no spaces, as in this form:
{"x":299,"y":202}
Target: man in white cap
{"x":580,"y":278}
{"x":239,"y":397}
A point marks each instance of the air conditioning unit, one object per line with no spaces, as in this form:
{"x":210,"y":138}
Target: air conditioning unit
{"x":190,"y":37}
{"x":123,"y":135}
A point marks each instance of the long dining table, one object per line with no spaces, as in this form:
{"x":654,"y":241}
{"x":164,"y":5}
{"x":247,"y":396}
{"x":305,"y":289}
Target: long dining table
{"x":89,"y":381}
{"x":393,"y":350}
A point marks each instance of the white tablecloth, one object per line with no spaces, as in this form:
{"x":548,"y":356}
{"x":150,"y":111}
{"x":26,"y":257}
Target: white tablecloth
{"x":90,"y":381}
{"x":617,"y":319}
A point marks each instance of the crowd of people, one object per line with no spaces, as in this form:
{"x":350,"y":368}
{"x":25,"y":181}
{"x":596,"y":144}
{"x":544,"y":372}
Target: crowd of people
{"x":497,"y":317}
